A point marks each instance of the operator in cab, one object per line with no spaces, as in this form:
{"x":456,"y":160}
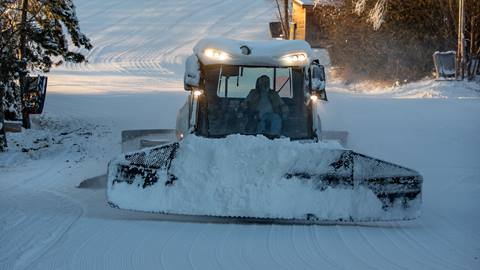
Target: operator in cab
{"x":264,"y":109}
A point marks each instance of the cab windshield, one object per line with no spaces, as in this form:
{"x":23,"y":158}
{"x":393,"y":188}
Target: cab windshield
{"x":254,"y":100}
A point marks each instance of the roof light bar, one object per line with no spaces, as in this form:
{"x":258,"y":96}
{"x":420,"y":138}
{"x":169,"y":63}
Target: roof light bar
{"x":295,"y":58}
{"x":216,"y":54}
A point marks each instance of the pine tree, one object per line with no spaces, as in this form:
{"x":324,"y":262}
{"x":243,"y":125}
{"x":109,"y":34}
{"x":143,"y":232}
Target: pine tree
{"x":49,"y":27}
{"x":8,"y":64}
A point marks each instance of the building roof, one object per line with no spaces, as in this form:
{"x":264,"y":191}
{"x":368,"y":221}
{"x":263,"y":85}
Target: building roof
{"x":305,"y":2}
{"x":320,"y":2}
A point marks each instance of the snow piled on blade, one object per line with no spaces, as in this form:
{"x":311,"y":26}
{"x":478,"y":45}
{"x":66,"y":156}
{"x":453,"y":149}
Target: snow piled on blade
{"x":247,"y":176}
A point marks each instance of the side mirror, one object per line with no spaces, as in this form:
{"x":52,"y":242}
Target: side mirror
{"x":317,"y":81}
{"x":191,"y":78}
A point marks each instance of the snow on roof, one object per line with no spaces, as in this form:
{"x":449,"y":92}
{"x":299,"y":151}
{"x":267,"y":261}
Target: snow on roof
{"x":305,"y":2}
{"x":262,"y":53}
{"x":320,"y":2}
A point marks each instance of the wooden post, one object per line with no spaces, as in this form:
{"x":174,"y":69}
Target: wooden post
{"x":23,"y":60}
{"x":461,"y":41}
{"x":473,"y":59}
{"x":282,"y":21}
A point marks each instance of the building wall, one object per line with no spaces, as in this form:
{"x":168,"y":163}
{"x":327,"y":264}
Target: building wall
{"x":306,"y":27}
{"x":311,"y":28}
{"x":299,"y":18}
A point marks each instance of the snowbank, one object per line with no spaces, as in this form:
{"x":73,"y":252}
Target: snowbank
{"x":424,"y":89}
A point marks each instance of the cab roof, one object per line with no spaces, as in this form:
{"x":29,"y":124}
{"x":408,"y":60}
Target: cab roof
{"x":253,"y":53}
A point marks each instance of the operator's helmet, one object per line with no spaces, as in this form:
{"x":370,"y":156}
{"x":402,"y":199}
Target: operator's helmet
{"x":263,"y":82}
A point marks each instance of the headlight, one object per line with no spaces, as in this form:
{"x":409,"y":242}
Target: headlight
{"x":295,"y":58}
{"x":216,"y":54}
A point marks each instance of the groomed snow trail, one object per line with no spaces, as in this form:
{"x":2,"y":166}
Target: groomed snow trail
{"x":134,"y":80}
{"x":142,"y":45}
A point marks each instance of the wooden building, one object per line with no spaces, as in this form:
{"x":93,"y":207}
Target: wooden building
{"x":304,"y":25}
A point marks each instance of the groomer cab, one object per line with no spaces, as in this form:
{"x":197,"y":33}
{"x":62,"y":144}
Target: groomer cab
{"x":270,"y":88}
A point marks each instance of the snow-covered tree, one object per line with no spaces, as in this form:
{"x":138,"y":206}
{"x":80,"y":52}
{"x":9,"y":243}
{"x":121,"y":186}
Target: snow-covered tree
{"x":50,"y":25}
{"x":9,"y":67}
{"x":376,"y":15}
{"x":35,"y":35}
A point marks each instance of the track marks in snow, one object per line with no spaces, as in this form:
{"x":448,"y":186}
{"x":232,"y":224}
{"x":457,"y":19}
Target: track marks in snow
{"x":373,"y":249}
{"x":193,"y":247}
{"x":272,"y":249}
{"x":168,"y":248}
{"x":427,"y":246}
{"x":303,"y":241}
{"x":221,"y":248}
{"x":355,"y":252}
{"x":36,"y":212}
{"x":40,"y":220}
{"x":320,"y":247}
{"x":80,"y":258}
{"x":148,"y":41}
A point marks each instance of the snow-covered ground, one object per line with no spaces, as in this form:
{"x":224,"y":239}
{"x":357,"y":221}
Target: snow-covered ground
{"x":133,"y":80}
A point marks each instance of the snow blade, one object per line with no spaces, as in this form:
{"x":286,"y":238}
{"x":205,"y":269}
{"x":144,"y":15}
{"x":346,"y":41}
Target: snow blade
{"x":133,"y":140}
{"x":308,"y":183}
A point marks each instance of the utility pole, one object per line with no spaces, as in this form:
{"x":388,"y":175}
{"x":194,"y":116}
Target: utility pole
{"x":3,"y":135}
{"x":286,"y":18}
{"x":461,"y":61}
{"x":23,"y":60}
